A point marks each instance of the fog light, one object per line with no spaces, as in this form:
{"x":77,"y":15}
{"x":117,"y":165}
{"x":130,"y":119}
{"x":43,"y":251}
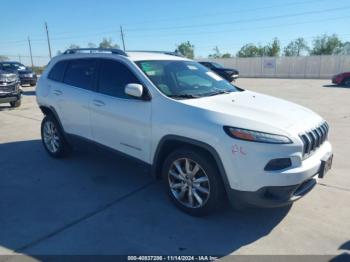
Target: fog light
{"x":278,"y":164}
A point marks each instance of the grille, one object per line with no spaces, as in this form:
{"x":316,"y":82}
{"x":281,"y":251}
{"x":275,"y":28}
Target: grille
{"x":314,"y":139}
{"x":7,"y":88}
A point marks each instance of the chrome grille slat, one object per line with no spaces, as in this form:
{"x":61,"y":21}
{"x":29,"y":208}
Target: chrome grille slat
{"x":314,"y":138}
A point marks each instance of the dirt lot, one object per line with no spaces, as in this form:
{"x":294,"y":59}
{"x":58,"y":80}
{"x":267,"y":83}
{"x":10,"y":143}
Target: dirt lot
{"x":98,"y":203}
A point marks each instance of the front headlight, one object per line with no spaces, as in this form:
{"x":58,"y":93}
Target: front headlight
{"x":256,"y":136}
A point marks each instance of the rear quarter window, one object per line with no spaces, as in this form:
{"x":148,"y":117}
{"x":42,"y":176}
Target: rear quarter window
{"x":57,"y":71}
{"x":80,"y":73}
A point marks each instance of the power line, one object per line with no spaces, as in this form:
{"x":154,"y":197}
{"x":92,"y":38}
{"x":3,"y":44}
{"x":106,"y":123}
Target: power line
{"x":243,"y":20}
{"x":240,"y":29}
{"x":173,"y":19}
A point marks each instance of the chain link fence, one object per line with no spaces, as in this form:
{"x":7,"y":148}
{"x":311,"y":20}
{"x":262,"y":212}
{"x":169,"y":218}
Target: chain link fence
{"x":322,"y":67}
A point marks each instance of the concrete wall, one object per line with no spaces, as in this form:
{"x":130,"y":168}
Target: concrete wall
{"x":322,"y":67}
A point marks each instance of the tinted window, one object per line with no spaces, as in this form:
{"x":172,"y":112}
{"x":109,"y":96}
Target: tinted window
{"x":80,"y":73}
{"x":114,"y":76}
{"x":57,"y":71}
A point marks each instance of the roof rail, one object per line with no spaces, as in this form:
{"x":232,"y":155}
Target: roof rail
{"x":175,"y":53}
{"x":95,"y":50}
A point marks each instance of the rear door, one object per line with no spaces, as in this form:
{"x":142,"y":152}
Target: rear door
{"x":73,"y":96}
{"x":118,"y":120}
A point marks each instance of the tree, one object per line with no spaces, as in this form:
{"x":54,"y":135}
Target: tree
{"x":3,"y":58}
{"x":226,"y":55}
{"x":344,"y":50}
{"x":326,"y":45}
{"x":73,"y":46}
{"x":296,"y":47}
{"x":216,"y":54}
{"x":250,"y":50}
{"x":91,"y":45}
{"x":107,"y":43}
{"x":273,"y":48}
{"x":186,"y":49}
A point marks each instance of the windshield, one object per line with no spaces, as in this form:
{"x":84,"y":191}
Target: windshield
{"x":217,"y":65}
{"x":185,"y":79}
{"x":12,"y":66}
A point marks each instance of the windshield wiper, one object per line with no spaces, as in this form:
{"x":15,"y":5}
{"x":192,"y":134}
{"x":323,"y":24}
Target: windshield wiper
{"x":184,"y":96}
{"x":219,"y":93}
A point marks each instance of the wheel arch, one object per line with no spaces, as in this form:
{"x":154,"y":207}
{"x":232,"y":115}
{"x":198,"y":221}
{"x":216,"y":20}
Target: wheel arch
{"x":49,"y":110}
{"x":170,"y":142}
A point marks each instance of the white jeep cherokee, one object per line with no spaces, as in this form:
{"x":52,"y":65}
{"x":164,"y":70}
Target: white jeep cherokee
{"x":204,"y":136}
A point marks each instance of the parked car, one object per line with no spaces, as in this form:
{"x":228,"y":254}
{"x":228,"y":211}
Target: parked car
{"x":229,"y":74}
{"x":26,"y":75}
{"x":10,"y":91}
{"x":342,"y":79}
{"x":204,"y":136}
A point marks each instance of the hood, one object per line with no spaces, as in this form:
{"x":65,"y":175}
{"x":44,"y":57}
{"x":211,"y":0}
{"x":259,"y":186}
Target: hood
{"x":228,"y":69}
{"x":260,"y":112}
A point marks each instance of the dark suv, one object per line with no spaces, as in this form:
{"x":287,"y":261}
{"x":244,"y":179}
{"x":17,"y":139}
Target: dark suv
{"x":10,"y":91}
{"x":26,"y":75}
{"x":230,"y":74}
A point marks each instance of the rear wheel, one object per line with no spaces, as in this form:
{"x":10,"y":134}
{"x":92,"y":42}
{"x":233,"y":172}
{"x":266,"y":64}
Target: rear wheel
{"x":16,"y":103}
{"x":192,"y":181}
{"x":53,"y":139}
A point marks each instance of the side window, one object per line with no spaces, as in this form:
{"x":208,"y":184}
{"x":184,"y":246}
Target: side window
{"x":80,"y":73}
{"x":113,"y":78}
{"x":57,"y":71}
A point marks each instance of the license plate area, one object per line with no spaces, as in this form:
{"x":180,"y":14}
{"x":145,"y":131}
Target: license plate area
{"x":326,"y":164}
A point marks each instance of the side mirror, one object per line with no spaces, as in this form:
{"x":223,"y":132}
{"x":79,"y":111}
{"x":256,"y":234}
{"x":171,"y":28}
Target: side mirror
{"x":135,"y":90}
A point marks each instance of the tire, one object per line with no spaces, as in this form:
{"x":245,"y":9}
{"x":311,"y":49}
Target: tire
{"x":53,"y":139}
{"x":346,"y":82}
{"x":208,"y":189}
{"x":16,"y":103}
{"x":32,"y":84}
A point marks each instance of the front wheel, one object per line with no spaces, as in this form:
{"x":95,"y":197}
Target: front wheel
{"x":52,"y":138}
{"x":193,"y":182}
{"x":347,"y":82}
{"x":16,"y":103}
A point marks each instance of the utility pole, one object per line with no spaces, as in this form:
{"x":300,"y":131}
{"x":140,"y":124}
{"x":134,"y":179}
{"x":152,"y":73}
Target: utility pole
{"x":31,"y":55}
{"x":19,"y":58}
{"x":48,"y":39}
{"x":122,"y":35}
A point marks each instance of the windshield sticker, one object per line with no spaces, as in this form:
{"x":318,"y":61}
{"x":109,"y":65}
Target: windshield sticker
{"x":214,"y":76}
{"x":192,"y":67}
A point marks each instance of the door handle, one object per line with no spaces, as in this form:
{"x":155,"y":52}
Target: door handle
{"x":57,"y":92}
{"x":98,"y":103}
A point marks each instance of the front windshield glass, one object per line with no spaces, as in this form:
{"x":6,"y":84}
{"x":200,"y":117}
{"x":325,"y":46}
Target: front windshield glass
{"x":217,"y":65}
{"x":12,"y":66}
{"x":185,"y":79}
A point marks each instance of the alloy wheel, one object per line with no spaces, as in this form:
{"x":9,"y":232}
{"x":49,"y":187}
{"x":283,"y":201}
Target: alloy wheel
{"x":189,"y":183}
{"x":51,"y":137}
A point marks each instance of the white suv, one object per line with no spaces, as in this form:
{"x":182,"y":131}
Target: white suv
{"x":204,"y":136}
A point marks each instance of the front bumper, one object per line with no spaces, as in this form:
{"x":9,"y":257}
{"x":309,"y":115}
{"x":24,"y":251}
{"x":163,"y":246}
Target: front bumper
{"x":28,"y":80}
{"x":336,"y":80}
{"x":249,"y":184}
{"x":273,"y":196}
{"x":9,"y":93}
